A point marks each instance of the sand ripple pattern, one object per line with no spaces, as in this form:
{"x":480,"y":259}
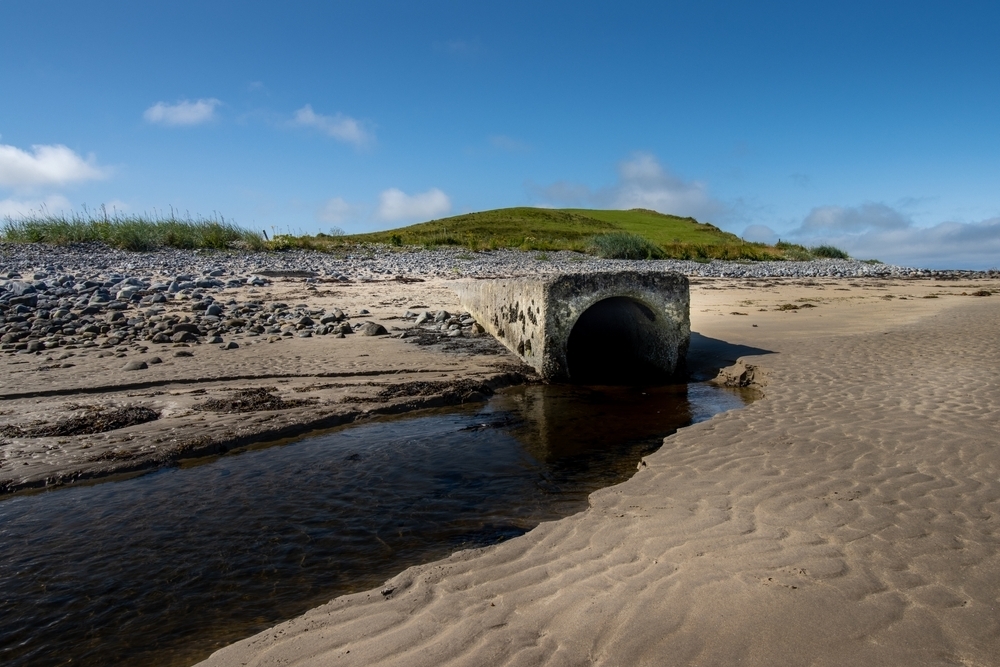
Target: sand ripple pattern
{"x":851,"y":517}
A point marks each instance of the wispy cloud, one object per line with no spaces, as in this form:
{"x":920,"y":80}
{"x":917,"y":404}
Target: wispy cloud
{"x":21,"y":208}
{"x":395,"y":205}
{"x":801,"y":180}
{"x":459,"y":47}
{"x":340,"y":127}
{"x":335,"y":211}
{"x":46,"y":165}
{"x":182,"y":113}
{"x":509,"y":144}
{"x":642,"y":183}
{"x":877,"y":230}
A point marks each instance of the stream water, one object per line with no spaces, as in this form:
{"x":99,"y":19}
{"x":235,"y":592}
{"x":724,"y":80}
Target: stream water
{"x":164,"y":568}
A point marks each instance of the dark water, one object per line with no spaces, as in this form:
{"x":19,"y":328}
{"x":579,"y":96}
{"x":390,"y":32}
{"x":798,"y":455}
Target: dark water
{"x":165,"y":568}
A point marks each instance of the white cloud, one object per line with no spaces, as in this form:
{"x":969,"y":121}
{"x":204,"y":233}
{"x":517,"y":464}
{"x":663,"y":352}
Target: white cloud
{"x":46,"y":165}
{"x":853,"y":219}
{"x":335,"y":211}
{"x":21,"y":208}
{"x":881,"y":232}
{"x":184,"y":112}
{"x":642,"y":183}
{"x":340,"y":127}
{"x":394,"y":204}
{"x":760,"y":234}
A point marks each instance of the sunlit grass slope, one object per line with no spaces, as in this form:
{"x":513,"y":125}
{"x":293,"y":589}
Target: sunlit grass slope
{"x":632,"y":234}
{"x":584,"y":230}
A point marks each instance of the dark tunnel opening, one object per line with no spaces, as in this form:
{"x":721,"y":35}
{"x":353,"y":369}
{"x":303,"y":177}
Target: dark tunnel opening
{"x":616,"y":341}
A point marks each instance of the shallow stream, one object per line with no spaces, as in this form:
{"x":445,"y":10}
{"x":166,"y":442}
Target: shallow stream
{"x":165,"y":568}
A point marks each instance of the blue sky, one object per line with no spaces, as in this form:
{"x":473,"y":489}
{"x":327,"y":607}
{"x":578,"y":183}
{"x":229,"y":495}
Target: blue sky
{"x":873,"y":125}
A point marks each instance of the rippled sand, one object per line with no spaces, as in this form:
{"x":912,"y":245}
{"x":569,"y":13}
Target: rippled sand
{"x":849,"y":517}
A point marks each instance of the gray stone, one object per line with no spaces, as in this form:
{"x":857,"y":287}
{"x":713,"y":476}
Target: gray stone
{"x":186,"y":326}
{"x":135,"y":366}
{"x":373,"y":329}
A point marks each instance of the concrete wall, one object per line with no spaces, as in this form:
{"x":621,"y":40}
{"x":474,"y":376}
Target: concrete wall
{"x":535,"y":318}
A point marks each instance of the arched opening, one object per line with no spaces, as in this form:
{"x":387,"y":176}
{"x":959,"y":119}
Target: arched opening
{"x":616,"y":341}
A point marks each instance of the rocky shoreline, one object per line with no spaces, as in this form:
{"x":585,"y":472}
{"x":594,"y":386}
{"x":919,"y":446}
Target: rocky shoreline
{"x":55,"y":296}
{"x":119,"y":361}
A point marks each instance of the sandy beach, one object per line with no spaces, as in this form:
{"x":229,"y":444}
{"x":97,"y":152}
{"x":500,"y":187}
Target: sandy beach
{"x":848,"y":517}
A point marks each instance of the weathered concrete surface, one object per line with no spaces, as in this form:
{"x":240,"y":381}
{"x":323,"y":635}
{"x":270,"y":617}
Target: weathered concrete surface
{"x":587,"y":326}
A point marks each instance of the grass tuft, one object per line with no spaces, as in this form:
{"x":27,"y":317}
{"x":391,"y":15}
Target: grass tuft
{"x":828,"y":252}
{"x":130,"y":232}
{"x":623,"y":245}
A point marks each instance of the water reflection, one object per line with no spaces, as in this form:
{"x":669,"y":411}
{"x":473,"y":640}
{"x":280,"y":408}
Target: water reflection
{"x":163,"y":569}
{"x":562,"y":422}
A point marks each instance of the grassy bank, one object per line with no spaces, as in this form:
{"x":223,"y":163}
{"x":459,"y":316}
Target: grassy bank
{"x":130,"y":232}
{"x":633,"y":234}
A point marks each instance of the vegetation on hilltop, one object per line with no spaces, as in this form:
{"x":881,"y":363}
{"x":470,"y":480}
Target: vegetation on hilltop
{"x":632,"y":234}
{"x":615,"y":234}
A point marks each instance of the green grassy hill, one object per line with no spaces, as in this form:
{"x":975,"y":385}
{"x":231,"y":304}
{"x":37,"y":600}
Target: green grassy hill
{"x":632,"y":234}
{"x":584,"y":230}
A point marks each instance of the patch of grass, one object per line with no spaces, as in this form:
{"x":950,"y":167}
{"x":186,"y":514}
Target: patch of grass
{"x":526,"y":228}
{"x":828,"y":252}
{"x":793,"y":251}
{"x":130,"y":232}
{"x":660,"y":228}
{"x":623,"y":245}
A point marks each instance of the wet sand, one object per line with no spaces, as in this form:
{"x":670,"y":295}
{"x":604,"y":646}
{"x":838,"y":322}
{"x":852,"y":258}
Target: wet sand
{"x":849,"y":517}
{"x":212,"y":400}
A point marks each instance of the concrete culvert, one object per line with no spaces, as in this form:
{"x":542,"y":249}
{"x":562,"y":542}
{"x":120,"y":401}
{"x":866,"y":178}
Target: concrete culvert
{"x":615,"y":327}
{"x":615,"y":341}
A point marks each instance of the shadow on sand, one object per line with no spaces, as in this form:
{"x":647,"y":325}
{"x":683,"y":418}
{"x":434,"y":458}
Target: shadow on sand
{"x":706,"y":356}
